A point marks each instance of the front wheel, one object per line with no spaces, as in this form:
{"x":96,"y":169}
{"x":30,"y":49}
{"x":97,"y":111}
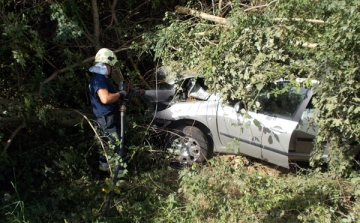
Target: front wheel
{"x":188,"y":143}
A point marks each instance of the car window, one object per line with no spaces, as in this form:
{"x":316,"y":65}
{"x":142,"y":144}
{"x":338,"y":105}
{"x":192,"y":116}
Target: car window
{"x":197,"y":89}
{"x":281,"y":100}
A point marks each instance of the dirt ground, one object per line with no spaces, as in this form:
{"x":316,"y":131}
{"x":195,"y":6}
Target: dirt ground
{"x":252,"y":165}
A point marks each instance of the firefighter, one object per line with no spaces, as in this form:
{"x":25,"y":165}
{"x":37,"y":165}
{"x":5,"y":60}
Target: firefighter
{"x":105,"y":102}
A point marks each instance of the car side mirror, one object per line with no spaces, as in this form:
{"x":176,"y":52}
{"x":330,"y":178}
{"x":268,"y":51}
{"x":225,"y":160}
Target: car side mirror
{"x":238,"y":106}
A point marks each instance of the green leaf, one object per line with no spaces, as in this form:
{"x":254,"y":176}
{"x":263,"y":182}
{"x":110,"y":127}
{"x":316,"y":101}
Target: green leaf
{"x":213,"y":69}
{"x":257,"y":123}
{"x":259,"y":86}
{"x":337,"y":122}
{"x":27,"y":102}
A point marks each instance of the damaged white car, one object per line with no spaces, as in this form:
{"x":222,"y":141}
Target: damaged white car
{"x":198,"y":124}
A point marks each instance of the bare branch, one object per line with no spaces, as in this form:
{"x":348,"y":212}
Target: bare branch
{"x":300,"y":19}
{"x":9,"y":141}
{"x":112,"y":10}
{"x":305,"y":44}
{"x":139,"y":75}
{"x":54,"y":75}
{"x":92,"y":127}
{"x":188,"y":11}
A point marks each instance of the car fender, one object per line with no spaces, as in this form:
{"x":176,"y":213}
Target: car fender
{"x":184,"y":110}
{"x":194,"y":113}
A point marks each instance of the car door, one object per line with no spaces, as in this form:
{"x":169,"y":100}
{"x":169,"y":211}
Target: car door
{"x":267,"y":133}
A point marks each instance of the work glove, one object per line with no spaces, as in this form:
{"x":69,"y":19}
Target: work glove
{"x":122,"y":94}
{"x":124,"y":88}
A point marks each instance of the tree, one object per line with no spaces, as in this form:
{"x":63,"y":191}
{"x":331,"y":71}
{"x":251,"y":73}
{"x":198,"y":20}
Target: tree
{"x":47,"y":47}
{"x":256,"y":45}
{"x":46,"y":50}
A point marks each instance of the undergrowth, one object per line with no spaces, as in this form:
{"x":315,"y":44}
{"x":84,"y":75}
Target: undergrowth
{"x":226,"y":189}
{"x":53,"y":182}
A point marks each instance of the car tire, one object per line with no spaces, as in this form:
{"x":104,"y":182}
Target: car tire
{"x":188,"y":143}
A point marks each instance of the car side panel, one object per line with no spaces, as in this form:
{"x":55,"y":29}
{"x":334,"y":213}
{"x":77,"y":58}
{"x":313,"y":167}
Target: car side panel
{"x":258,"y":135}
{"x":276,"y":136}
{"x":236,"y":134}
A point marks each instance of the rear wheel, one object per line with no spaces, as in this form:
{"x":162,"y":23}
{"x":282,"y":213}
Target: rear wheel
{"x":188,"y":144}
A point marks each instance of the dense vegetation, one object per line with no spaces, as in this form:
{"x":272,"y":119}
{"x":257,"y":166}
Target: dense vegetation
{"x":49,"y":152}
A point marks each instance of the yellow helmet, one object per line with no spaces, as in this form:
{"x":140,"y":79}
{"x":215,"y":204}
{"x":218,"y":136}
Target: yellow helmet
{"x":106,"y":56}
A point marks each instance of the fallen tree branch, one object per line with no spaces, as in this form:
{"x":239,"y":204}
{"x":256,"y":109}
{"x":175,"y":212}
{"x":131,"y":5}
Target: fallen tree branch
{"x":305,"y":44}
{"x":202,"y":15}
{"x":260,"y":6}
{"x":220,"y":20}
{"x":300,"y":19}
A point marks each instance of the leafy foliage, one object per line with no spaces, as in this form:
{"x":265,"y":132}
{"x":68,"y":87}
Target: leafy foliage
{"x":234,"y":191}
{"x":261,"y":45}
{"x":338,"y":93}
{"x":48,"y":169}
{"x":47,"y":152}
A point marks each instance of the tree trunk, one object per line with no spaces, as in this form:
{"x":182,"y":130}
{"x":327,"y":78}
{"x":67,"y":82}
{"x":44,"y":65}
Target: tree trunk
{"x":96,"y":24}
